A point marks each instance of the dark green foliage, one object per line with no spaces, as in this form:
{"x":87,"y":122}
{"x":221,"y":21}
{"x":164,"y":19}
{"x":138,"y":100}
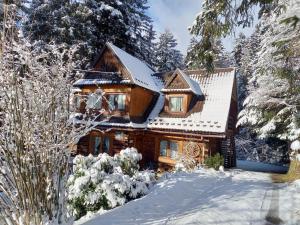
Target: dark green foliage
{"x":219,"y":19}
{"x":129,"y":167}
{"x":214,"y":161}
{"x":167,"y":56}
{"x":85,"y":26}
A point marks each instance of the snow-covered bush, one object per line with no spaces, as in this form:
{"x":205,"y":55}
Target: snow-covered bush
{"x":186,"y":163}
{"x":104,"y":182}
{"x":295,"y":150}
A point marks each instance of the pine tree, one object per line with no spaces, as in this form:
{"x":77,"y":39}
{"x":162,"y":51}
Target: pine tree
{"x":219,"y":18}
{"x":167,"y":56}
{"x":191,"y":59}
{"x":272,"y":108}
{"x":238,"y":49}
{"x":221,"y":57}
{"x":85,"y":26}
{"x":148,"y":46}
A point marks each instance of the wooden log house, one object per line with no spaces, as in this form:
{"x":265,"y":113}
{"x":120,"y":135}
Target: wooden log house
{"x":163,"y":115}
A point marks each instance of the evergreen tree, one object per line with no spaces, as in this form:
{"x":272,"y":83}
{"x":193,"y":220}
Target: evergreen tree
{"x":148,"y":46}
{"x":193,"y":61}
{"x":167,"y":56}
{"x":272,"y":107}
{"x":219,"y":18}
{"x":238,"y":49}
{"x":85,"y":26}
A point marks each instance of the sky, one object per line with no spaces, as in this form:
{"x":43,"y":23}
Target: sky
{"x":177,"y":16}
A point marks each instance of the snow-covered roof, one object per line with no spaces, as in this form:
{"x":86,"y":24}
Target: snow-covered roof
{"x":217,"y":89}
{"x":83,"y":82}
{"x":140,"y":72}
{"x":195,"y":87}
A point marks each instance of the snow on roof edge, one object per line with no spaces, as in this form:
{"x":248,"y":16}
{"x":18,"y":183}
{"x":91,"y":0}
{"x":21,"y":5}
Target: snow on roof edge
{"x":140,"y":79}
{"x":195,"y":87}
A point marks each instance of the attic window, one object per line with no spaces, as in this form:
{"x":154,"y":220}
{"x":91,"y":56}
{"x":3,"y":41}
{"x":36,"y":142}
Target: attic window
{"x":176,"y":104}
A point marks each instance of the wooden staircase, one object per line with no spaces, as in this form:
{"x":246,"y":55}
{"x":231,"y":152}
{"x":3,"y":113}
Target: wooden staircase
{"x":228,"y":152}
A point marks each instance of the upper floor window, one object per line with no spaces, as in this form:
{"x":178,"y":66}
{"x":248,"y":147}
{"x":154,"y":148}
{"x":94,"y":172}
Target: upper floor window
{"x":117,"y":102}
{"x":176,"y":104}
{"x":94,"y":101}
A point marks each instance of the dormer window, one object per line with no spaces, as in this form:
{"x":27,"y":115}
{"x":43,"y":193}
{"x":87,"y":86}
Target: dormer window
{"x":117,"y":102}
{"x":176,"y":104}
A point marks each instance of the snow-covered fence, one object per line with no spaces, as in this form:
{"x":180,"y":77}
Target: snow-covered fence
{"x":104,"y":182}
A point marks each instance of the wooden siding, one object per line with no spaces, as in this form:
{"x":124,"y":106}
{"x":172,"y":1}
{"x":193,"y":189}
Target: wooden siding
{"x":140,"y":100}
{"x":148,"y":144}
{"x":108,"y":62}
{"x":187,"y":97}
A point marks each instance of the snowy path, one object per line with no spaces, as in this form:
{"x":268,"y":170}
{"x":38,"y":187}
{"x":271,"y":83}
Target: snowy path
{"x":236,"y":197}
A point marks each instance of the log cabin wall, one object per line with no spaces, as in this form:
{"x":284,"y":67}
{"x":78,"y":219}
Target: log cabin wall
{"x":108,"y":62}
{"x":149,"y":145}
{"x":140,"y":100}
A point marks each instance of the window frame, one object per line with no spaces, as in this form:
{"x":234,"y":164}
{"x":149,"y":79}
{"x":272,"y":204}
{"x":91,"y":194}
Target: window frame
{"x":168,"y":148}
{"x":114,"y":94}
{"x":182,"y":103}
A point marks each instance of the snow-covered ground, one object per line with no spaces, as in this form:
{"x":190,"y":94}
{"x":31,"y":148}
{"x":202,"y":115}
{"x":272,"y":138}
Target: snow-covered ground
{"x":207,"y":197}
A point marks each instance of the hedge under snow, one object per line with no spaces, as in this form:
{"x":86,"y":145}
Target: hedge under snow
{"x":104,"y":182}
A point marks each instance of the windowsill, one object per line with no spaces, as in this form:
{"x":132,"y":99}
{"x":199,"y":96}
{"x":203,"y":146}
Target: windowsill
{"x":166,"y":159}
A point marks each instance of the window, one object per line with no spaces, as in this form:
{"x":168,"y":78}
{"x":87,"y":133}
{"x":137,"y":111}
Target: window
{"x":176,"y":104}
{"x":117,"y":102}
{"x":173,"y":149}
{"x":105,"y":146}
{"x":169,"y":149}
{"x":97,"y":145}
{"x":119,"y":135}
{"x":94,"y":101}
{"x":163,"y":148}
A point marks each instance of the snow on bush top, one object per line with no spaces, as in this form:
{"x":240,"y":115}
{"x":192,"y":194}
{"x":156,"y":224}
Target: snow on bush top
{"x":104,"y":182}
{"x":295,"y":145}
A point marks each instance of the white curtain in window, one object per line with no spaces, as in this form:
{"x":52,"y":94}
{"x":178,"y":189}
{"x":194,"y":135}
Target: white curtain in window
{"x":176,"y":104}
{"x":121,"y":102}
{"x":112,"y":105}
{"x":117,"y":102}
{"x":163,"y":148}
{"x":174,"y":149}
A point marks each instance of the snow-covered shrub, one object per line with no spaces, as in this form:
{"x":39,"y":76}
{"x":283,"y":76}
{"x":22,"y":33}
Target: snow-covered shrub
{"x":215,"y":161}
{"x":295,"y":150}
{"x":185,"y":163}
{"x":104,"y":182}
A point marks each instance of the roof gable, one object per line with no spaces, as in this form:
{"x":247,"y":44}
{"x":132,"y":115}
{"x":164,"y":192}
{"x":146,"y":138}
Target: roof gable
{"x":179,"y":81}
{"x":140,"y":72}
